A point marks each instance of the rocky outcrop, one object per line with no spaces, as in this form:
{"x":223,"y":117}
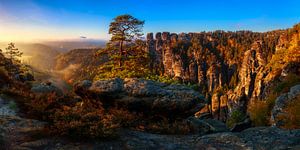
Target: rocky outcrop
{"x":199,"y":58}
{"x":205,"y":126}
{"x":46,"y":88}
{"x":21,"y":133}
{"x":219,"y":59}
{"x":16,"y":131}
{"x":240,"y":126}
{"x":219,"y":106}
{"x":281,"y":102}
{"x":170,"y":54}
{"x":251,"y":78}
{"x":262,"y":138}
{"x":144,"y":96}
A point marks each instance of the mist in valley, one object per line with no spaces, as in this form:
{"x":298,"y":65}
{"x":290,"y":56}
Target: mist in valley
{"x":42,"y":60}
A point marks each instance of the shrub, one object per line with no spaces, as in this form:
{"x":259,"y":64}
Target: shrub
{"x":12,"y":105}
{"x":79,"y":118}
{"x":86,"y":119}
{"x":236,"y":117}
{"x":259,"y":113}
{"x":165,"y":126}
{"x":163,"y":79}
{"x":39,"y":106}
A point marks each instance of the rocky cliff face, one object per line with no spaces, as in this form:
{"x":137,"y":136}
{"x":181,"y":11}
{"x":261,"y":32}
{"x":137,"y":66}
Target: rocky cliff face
{"x":232,"y":68}
{"x":174,"y":56}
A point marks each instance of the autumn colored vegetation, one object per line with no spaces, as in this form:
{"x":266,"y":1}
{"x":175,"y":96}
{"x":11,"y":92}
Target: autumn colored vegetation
{"x":77,"y":118}
{"x":286,"y":58}
{"x":292,"y":118}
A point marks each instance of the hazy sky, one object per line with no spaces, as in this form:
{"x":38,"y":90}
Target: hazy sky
{"x":31,"y":20}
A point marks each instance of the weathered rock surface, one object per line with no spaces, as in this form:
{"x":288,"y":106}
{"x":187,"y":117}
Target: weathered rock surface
{"x":240,"y":126}
{"x":281,"y":102}
{"x":145,"y":95}
{"x":169,"y":50}
{"x":16,"y":131}
{"x":204,"y":126}
{"x":7,"y":108}
{"x":263,"y":138}
{"x":250,"y":78}
{"x":216,"y":59}
{"x":46,"y":88}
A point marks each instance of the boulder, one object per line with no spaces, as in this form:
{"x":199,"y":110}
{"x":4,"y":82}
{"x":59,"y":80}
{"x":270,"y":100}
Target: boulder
{"x":147,"y":96}
{"x":46,"y":89}
{"x":238,"y":127}
{"x":202,"y":126}
{"x":107,"y":87}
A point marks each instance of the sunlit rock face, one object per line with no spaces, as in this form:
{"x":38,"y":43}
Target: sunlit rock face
{"x":251,"y":78}
{"x":171,"y":56}
{"x":230,"y":68}
{"x":253,"y":63}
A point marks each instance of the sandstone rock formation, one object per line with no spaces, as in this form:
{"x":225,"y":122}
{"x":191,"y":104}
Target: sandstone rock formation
{"x":144,"y":95}
{"x":46,"y":88}
{"x":250,"y":75}
{"x":199,"y":58}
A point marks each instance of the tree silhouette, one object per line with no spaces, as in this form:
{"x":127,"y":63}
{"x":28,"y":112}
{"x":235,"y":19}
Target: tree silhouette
{"x":13,"y":53}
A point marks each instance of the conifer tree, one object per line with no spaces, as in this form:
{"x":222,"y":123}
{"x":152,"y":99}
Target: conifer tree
{"x":13,"y":53}
{"x":124,"y":29}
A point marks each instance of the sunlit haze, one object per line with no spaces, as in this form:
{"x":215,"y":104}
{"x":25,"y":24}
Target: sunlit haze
{"x":43,"y":20}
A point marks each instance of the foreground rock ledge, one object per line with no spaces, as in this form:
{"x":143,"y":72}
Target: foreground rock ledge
{"x":144,"y":95}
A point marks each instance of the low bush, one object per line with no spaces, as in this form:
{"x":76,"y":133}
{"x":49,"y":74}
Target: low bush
{"x":74,"y":118}
{"x":165,"y":126}
{"x":235,"y":117}
{"x":86,"y":119}
{"x":291,"y":115}
{"x":259,"y":113}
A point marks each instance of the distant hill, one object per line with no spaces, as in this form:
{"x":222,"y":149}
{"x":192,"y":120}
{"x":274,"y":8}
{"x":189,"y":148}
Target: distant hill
{"x":38,"y":55}
{"x":65,"y":46}
{"x":79,"y":64}
{"x":43,"y":55}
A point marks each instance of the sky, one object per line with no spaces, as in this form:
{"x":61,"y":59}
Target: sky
{"x":42,"y":20}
